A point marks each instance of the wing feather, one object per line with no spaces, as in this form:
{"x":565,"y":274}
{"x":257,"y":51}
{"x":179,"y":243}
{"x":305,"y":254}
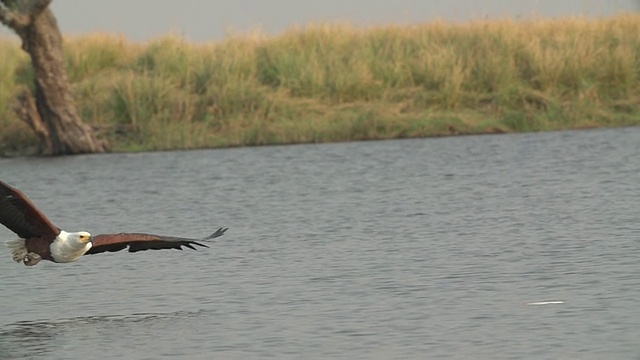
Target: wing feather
{"x":21,"y":216}
{"x":141,"y":242}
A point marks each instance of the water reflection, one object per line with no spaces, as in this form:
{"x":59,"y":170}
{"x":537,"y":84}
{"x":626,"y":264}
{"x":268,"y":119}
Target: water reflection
{"x":27,"y":339}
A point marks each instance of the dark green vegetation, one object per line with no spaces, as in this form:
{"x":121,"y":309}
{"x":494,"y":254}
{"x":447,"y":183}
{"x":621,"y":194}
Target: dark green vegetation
{"x":327,"y":83}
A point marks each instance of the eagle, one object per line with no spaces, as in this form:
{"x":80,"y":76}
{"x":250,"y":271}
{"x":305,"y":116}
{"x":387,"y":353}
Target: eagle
{"x":39,"y":239}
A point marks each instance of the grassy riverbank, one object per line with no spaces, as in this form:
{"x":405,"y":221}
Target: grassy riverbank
{"x":325,"y":83}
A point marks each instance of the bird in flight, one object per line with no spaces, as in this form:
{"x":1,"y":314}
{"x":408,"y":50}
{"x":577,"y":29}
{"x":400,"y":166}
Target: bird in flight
{"x":39,"y":239}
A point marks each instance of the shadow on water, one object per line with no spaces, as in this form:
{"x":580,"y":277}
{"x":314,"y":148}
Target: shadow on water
{"x":25,"y":339}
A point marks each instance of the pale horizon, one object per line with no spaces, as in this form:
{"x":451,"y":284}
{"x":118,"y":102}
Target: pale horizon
{"x":142,"y":20}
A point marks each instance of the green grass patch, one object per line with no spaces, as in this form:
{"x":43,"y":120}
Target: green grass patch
{"x":325,"y":83}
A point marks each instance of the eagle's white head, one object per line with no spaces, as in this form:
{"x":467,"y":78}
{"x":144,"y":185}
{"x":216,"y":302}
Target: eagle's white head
{"x":82,"y":237}
{"x":68,"y":247}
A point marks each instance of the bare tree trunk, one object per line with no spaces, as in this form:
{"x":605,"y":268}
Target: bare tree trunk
{"x":52,"y":116}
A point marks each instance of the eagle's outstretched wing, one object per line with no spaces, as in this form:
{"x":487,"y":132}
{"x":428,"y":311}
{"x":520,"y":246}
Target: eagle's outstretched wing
{"x":22,"y":217}
{"x":142,"y":242}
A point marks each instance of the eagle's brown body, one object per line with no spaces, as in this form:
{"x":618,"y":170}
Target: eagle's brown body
{"x":40,"y":246}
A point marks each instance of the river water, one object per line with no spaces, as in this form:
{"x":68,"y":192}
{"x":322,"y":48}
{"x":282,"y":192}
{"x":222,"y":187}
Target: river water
{"x":486,"y":247}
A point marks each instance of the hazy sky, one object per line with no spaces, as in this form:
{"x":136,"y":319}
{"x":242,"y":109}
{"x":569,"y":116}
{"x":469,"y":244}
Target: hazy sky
{"x":202,"y":20}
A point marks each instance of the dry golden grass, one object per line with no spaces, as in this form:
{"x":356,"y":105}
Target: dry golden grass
{"x":338,"y":82}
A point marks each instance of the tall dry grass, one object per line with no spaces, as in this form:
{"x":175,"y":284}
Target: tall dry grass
{"x":339,"y":82}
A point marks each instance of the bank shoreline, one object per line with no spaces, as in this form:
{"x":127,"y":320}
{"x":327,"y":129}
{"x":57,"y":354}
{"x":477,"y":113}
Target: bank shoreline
{"x":31,"y":150}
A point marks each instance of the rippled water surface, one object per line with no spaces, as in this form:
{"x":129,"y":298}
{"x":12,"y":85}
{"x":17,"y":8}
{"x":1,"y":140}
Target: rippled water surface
{"x":393,"y":249}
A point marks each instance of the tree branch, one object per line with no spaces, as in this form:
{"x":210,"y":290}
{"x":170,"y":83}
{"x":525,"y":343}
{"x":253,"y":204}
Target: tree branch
{"x":36,"y":7}
{"x":13,"y":19}
{"x":27,"y":111}
{"x":20,"y":14}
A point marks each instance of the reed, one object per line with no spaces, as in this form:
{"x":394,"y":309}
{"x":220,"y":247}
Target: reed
{"x":338,"y":82}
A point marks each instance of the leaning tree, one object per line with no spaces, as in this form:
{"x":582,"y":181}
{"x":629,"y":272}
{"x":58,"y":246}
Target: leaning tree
{"x":52,"y":113}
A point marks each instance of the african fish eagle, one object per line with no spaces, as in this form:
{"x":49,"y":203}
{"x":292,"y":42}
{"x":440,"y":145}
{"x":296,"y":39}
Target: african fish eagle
{"x":40,"y":240}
